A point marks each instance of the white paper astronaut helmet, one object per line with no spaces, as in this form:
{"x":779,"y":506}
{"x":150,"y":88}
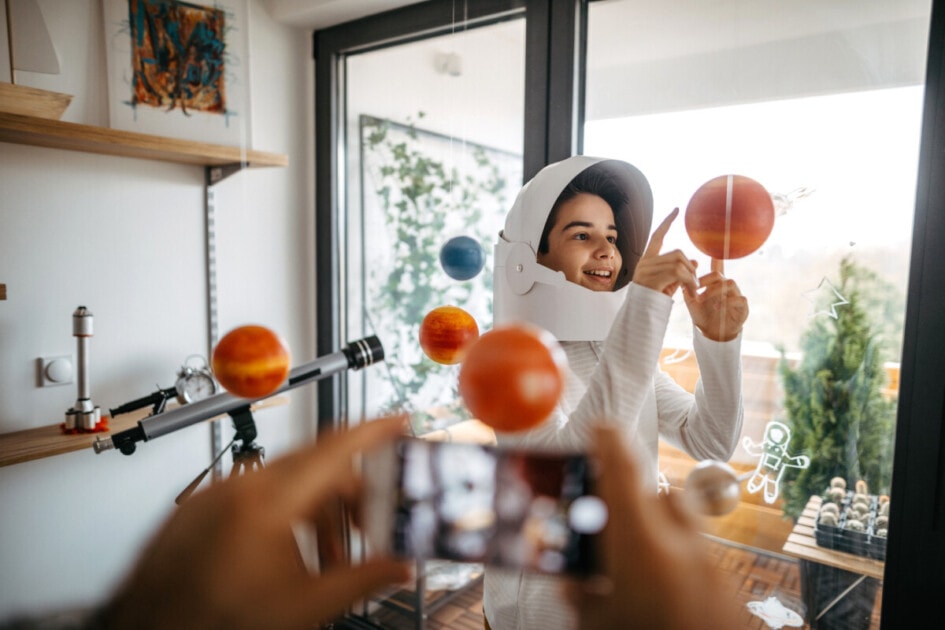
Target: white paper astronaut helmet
{"x":525,"y":290}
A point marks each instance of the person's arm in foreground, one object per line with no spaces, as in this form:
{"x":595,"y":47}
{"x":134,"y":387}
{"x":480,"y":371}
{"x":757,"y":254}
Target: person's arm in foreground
{"x":707,"y":423}
{"x":228,"y":558}
{"x":656,"y":571}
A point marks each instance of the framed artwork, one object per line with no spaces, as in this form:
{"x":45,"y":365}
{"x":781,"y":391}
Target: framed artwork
{"x":179,"y":69}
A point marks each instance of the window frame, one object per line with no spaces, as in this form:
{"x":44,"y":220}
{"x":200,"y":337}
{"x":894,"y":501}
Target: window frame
{"x":915,"y":551}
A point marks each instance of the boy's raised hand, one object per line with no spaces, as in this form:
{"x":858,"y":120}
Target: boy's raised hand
{"x":666,"y":272}
{"x":719,"y":309}
{"x":228,"y":556}
{"x":715,"y":302}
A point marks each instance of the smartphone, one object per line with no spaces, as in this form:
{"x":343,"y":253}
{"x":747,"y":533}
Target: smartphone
{"x":477,"y":503}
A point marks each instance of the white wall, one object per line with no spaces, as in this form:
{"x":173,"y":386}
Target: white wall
{"x":125,"y":238}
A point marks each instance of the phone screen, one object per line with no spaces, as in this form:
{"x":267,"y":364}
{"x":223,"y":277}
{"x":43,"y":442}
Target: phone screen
{"x":474,"y":503}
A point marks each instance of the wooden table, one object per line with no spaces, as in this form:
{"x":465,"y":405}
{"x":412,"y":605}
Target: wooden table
{"x":802,"y":544}
{"x":847,"y":571}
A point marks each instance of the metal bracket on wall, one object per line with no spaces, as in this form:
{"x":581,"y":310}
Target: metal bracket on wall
{"x":214,"y":175}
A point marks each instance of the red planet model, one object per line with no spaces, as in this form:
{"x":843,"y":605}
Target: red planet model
{"x":446,"y":332}
{"x":513,"y":376}
{"x":729,"y":216}
{"x":251,"y":361}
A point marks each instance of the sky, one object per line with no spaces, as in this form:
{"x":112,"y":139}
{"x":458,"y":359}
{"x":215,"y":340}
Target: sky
{"x":856,"y":153}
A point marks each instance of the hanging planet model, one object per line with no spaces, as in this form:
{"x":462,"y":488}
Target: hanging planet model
{"x":251,"y":361}
{"x":512,"y":377}
{"x":462,"y":258}
{"x":729,"y":216}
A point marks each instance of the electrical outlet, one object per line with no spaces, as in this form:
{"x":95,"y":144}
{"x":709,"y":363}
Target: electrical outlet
{"x":55,"y":370}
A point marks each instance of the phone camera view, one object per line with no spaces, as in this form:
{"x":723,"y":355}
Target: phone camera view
{"x":474,"y":503}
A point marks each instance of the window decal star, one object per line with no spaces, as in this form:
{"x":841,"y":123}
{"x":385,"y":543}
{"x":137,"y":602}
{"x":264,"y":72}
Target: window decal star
{"x":824,"y":299}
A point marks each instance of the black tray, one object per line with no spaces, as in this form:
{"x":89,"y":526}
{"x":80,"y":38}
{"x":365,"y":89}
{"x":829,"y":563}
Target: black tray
{"x":865,"y":543}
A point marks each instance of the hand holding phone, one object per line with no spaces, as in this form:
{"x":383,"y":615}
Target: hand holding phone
{"x":656,"y":571}
{"x":477,"y":503}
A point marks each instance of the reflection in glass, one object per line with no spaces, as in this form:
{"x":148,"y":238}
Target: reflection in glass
{"x":434,"y":144}
{"x":417,"y":198}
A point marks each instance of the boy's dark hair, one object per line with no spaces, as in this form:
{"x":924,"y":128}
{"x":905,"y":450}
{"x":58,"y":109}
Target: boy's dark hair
{"x":628,"y":194}
{"x":592,"y":181}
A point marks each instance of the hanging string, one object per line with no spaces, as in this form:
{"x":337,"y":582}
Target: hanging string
{"x":403,"y":404}
{"x":454,"y":163}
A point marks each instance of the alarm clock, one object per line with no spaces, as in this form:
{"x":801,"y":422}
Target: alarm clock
{"x":194,"y":382}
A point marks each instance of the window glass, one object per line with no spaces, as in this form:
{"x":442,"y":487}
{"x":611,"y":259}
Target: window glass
{"x":432,"y":159}
{"x":820,"y":103}
{"x":421,"y":172}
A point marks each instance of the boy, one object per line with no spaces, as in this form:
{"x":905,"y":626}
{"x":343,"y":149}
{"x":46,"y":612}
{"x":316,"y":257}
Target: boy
{"x":573,"y":259}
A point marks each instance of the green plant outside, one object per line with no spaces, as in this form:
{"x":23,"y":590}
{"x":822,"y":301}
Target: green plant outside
{"x":424,"y":202}
{"x":833,"y":399}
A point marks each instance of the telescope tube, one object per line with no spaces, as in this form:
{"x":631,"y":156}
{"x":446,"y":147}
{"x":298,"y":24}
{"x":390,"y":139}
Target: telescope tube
{"x":354,"y":356}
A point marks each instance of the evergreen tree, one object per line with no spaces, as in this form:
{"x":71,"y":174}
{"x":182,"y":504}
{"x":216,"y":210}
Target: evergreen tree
{"x":836,"y":410}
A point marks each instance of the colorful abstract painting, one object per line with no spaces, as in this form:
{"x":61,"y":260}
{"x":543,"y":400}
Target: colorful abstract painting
{"x":178,"y":55}
{"x":178,"y":68}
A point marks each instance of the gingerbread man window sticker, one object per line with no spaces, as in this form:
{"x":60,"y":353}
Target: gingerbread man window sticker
{"x":773,"y":461}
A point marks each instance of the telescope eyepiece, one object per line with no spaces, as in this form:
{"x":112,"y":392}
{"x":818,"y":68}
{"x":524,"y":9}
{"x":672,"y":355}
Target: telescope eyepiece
{"x":364,"y":352}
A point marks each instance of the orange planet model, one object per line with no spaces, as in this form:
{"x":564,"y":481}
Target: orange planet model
{"x":729,"y":216}
{"x":512,"y":377}
{"x":251,"y":361}
{"x":446,"y":333}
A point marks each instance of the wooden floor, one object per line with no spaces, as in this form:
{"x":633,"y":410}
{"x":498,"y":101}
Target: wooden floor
{"x":757,"y":576}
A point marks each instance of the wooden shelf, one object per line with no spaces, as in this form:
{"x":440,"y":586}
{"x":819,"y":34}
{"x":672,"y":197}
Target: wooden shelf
{"x":30,"y":444}
{"x":46,"y":441}
{"x":56,"y":134}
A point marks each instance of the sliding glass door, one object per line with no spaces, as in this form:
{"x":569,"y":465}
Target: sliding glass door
{"x":429,"y":157}
{"x":429,"y":117}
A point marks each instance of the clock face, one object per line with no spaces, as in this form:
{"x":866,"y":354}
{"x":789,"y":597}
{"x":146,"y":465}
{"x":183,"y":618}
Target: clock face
{"x":195,"y":386}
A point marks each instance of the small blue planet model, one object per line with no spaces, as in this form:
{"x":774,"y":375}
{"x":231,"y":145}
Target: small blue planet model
{"x":462,"y":258}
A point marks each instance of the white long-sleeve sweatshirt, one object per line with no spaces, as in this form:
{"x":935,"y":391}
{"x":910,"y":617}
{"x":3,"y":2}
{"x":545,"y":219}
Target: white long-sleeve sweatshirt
{"x":619,"y":381}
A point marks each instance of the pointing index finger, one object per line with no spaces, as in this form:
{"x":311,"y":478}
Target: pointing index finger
{"x":656,"y":240}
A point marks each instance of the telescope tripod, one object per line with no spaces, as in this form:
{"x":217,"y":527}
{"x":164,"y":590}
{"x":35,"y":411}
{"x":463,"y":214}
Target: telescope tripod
{"x":247,"y":456}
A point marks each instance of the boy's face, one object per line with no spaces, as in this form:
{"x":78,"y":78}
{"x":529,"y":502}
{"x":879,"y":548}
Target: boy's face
{"x":582,"y":243}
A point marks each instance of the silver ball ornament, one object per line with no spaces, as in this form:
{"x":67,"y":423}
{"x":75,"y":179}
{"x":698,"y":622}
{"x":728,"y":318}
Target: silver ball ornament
{"x":713,"y":487}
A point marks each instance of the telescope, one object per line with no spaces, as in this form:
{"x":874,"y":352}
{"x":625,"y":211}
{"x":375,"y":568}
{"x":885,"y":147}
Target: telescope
{"x":354,"y":356}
